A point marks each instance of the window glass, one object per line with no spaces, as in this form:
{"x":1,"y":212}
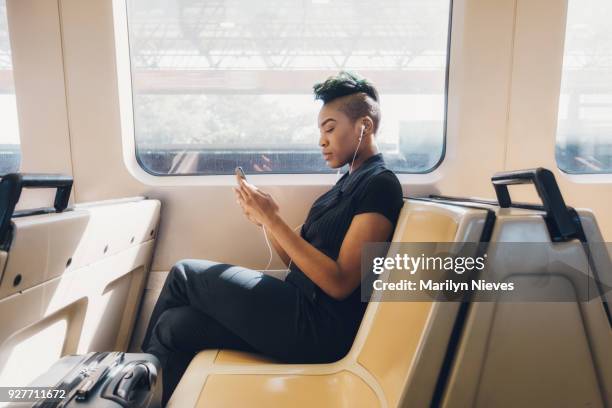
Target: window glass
{"x":218,"y":84}
{"x":10,"y":153}
{"x":584,"y":134}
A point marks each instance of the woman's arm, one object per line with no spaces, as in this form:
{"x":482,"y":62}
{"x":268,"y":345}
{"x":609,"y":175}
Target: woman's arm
{"x":279,"y":249}
{"x":336,"y":278}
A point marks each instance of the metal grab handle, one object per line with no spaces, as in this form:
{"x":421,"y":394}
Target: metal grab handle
{"x":548,"y":190}
{"x":12,"y":184}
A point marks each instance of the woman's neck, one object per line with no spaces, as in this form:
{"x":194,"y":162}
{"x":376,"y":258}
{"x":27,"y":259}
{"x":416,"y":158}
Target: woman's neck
{"x":362,"y":156}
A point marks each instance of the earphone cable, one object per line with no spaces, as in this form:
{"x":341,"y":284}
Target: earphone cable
{"x":269,"y":246}
{"x":290,"y":259}
{"x":355,"y":154}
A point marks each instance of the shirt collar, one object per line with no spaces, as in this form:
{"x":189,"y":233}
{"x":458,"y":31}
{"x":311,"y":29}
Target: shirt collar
{"x":372,"y":159}
{"x":347,"y":181}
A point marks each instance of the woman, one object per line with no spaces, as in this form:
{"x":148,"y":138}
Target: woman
{"x":312,"y":316}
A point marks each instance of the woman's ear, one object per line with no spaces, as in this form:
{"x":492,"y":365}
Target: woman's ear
{"x":367,"y":125}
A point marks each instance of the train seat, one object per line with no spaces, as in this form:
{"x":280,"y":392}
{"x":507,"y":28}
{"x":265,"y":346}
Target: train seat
{"x":74,"y":279}
{"x":555,"y":350}
{"x":394,"y":342}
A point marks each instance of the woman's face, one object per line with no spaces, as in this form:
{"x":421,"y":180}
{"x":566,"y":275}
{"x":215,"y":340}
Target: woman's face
{"x":339,"y":135}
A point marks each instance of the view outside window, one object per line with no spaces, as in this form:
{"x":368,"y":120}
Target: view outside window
{"x":218,"y":84}
{"x":584,"y":135}
{"x":10,"y":154}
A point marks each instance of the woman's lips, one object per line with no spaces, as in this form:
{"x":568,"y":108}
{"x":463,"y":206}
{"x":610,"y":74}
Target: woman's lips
{"x":326,"y":156}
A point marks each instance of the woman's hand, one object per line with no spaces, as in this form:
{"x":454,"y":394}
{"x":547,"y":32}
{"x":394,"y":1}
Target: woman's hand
{"x":240,"y":202}
{"x":259,"y":207}
{"x":249,"y":217}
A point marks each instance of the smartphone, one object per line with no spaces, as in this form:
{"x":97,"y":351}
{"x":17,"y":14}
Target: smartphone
{"x":240,"y":173}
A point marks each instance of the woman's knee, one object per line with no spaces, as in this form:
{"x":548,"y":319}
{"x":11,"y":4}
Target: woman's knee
{"x":180,"y":273}
{"x":180,"y":268}
{"x":187,"y":267}
{"x":174,"y":328}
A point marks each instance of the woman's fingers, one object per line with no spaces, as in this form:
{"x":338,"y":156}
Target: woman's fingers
{"x":241,"y":200}
{"x":240,"y":194}
{"x":253,"y":220}
{"x":255,"y":201}
{"x":247,"y":188}
{"x":241,"y":203}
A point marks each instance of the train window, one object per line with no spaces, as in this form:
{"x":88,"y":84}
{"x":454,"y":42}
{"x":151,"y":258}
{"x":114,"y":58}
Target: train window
{"x":584,"y":133}
{"x":220,"y":84}
{"x":10,"y":152}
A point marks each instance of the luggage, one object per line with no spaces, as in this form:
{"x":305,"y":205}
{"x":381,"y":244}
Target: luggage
{"x":101,"y":379}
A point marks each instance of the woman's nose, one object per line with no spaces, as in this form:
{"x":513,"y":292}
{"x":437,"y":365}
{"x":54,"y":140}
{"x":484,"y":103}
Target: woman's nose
{"x":323,"y":142}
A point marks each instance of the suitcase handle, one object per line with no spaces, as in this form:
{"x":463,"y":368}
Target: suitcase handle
{"x":548,"y":190}
{"x":133,"y":386}
{"x":131,"y":380}
{"x":11,"y":186}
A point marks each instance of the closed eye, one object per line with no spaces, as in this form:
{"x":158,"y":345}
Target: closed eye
{"x":330,"y":130}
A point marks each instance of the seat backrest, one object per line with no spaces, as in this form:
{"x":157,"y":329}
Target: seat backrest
{"x":400,"y":339}
{"x":71,"y":283}
{"x":536,"y":353}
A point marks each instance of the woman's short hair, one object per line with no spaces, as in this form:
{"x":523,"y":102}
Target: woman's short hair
{"x":361,"y":95}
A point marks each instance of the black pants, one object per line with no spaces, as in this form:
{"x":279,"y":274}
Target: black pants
{"x":206,"y":304}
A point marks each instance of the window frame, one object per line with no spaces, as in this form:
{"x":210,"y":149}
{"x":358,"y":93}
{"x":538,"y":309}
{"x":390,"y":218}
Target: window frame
{"x":575,"y":176}
{"x":18,"y":148}
{"x":148,"y":171}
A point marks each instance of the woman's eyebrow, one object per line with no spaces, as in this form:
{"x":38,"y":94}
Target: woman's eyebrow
{"x":325,"y":121}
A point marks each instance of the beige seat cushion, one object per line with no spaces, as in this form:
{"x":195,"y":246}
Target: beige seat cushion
{"x":236,"y":357}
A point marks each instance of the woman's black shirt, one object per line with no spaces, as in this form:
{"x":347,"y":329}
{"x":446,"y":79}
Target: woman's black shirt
{"x":370,"y":188}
